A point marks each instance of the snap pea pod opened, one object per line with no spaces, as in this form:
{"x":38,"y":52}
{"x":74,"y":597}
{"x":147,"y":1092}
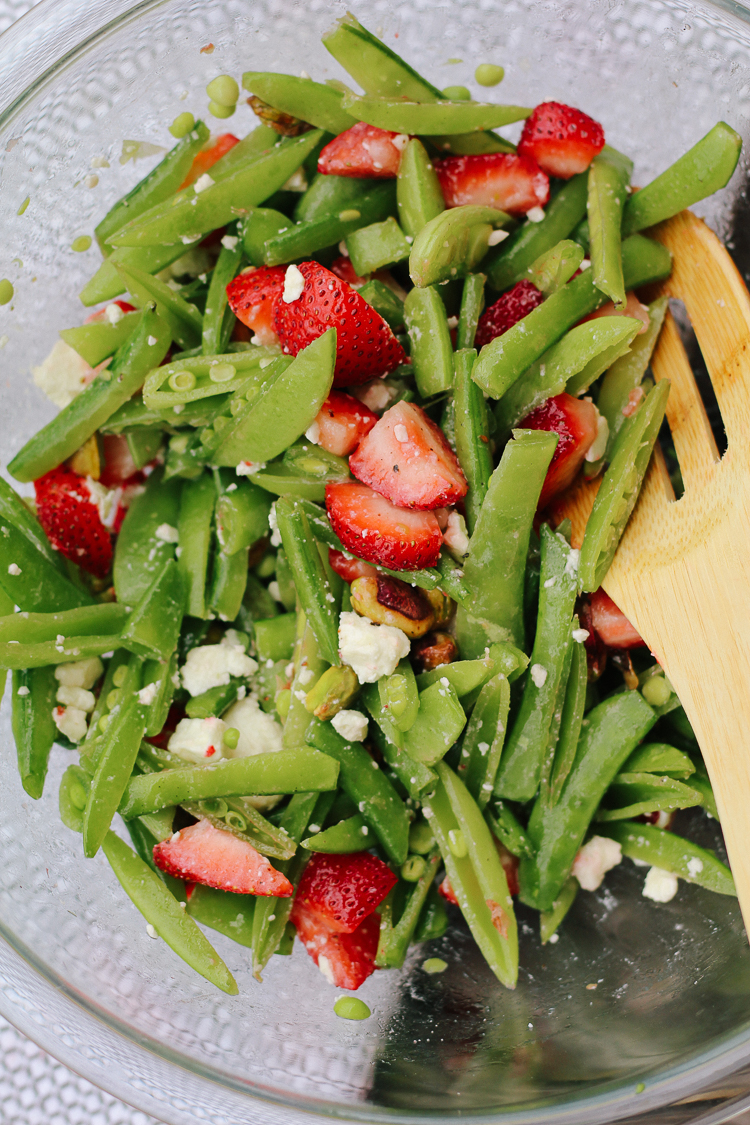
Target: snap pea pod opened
{"x":294,"y":583}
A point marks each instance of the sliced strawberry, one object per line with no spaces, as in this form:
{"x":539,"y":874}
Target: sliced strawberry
{"x":208,"y":157}
{"x":346,"y":960}
{"x":366,"y":346}
{"x":513,"y":306}
{"x":611,"y":624}
{"x":119,"y":465}
{"x":407,"y":459}
{"x":100,"y":314}
{"x":633,"y":307}
{"x":562,"y":140}
{"x":342,"y":890}
{"x":362,"y":151}
{"x":252,"y":298}
{"x":208,"y":855}
{"x":574,"y":420}
{"x":510,"y":867}
{"x":375,"y":530}
{"x":496,"y":179}
{"x":71,"y":520}
{"x":446,"y":890}
{"x":349,"y":569}
{"x":342,"y":423}
{"x":344,"y":269}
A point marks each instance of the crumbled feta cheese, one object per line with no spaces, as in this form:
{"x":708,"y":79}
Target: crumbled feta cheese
{"x":259,"y":734}
{"x":147,"y":694}
{"x":273,"y":524}
{"x":23,"y":690}
{"x":453,"y":322}
{"x":401,"y":433}
{"x":312,"y":433}
{"x":232,"y":637}
{"x":76,"y":697}
{"x":571,"y":563}
{"x":296,"y":182}
{"x":202,"y":183}
{"x":274,"y":590}
{"x":497,"y":236}
{"x":151,"y":931}
{"x":248,"y":468}
{"x":14,"y":569}
{"x":294,"y":283}
{"x":63,"y":374}
{"x":585,"y":264}
{"x":167,"y":533}
{"x":599,"y":444}
{"x":70,"y":721}
{"x":229,"y":241}
{"x":371,"y":650}
{"x":113,"y":313}
{"x":580,"y":635}
{"x":538,"y":674}
{"x":400,"y":141}
{"x":455,"y":536}
{"x":351,"y":725}
{"x":550,"y":582}
{"x":695,"y":866}
{"x":375,"y":395}
{"x":305,"y":676}
{"x":210,"y":666}
{"x":81,"y":673}
{"x":107,"y":500}
{"x":535,"y":215}
{"x":660,"y":885}
{"x":198,"y":740}
{"x":594,"y":860}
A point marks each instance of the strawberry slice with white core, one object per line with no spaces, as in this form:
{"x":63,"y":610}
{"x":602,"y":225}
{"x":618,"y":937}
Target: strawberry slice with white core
{"x":372,"y":528}
{"x":363,"y":151}
{"x":562,"y":140}
{"x":342,"y":422}
{"x":70,"y":514}
{"x":348,"y":568}
{"x":252,"y":298}
{"x":406,"y":458}
{"x":208,"y":855}
{"x":611,"y":624}
{"x":576,"y":423}
{"x":495,"y":179}
{"x":345,"y":960}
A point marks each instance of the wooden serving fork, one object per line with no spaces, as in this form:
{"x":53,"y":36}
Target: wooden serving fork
{"x":681,"y":573}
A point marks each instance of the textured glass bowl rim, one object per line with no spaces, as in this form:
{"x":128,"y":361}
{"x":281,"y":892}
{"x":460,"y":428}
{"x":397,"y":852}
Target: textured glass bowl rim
{"x":35,"y":48}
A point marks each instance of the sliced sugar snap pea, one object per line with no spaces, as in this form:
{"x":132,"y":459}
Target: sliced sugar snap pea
{"x":302,"y":98}
{"x":606,"y":199}
{"x":418,"y":191}
{"x":376,"y":68}
{"x":672,"y":853}
{"x":635,"y":794}
{"x":471,"y":434}
{"x":100,"y":339}
{"x":369,"y":204}
{"x":484,"y":739}
{"x":108,"y":283}
{"x":310,"y":578}
{"x":453,"y":243}
{"x":184,"y":320}
{"x":378,"y":245}
{"x":205,"y":376}
{"x":440,"y":720}
{"x":350,"y":835}
{"x":384,"y":301}
{"x":431,"y":118}
{"x":153,"y":626}
{"x":431,"y":349}
{"x":33,"y":726}
{"x":551,"y":920}
{"x":472,"y":304}
{"x":262,"y":224}
{"x":555,"y":267}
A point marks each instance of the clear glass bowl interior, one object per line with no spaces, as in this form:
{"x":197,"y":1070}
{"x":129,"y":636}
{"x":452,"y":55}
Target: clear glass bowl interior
{"x":671,"y":1006}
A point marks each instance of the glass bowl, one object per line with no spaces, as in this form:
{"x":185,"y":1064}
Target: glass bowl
{"x":637,"y":1005}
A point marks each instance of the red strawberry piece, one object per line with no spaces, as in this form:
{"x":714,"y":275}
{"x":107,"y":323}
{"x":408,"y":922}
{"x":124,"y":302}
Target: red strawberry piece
{"x":252,"y":298}
{"x":365,"y":347}
{"x":596,"y":650}
{"x":342,"y":423}
{"x":208,"y":157}
{"x":344,"y":269}
{"x":101,"y":313}
{"x":343,"y":890}
{"x":71,"y":520}
{"x":208,"y":855}
{"x":562,"y":140}
{"x":611,"y":624}
{"x":119,"y":465}
{"x":346,"y":960}
{"x":407,"y":459}
{"x":175,"y":715}
{"x":496,"y":179}
{"x":446,"y":890}
{"x":349,"y":569}
{"x":372,"y":528}
{"x":574,"y":420}
{"x":633,"y":307}
{"x":510,"y":867}
{"x":507,"y":310}
{"x":362,"y":151}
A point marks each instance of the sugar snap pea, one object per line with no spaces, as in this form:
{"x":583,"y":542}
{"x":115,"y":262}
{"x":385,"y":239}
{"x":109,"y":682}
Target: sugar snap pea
{"x":218,"y":318}
{"x":227,"y":913}
{"x":162,"y":674}
{"x":301,"y":98}
{"x":551,"y":920}
{"x":32,"y":628}
{"x":471,"y":434}
{"x":184,"y":321}
{"x":32,"y":703}
{"x":228,"y":582}
{"x":310,"y":578}
{"x":197,"y":504}
{"x":661,"y":758}
{"x":440,"y":720}
{"x":607,"y":193}
{"x":241,"y":516}
{"x":384,"y":301}
{"x":117,"y":669}
{"x":350,"y":835}
{"x":380,"y":244}
{"x":418,"y":191}
{"x":472,"y":303}
{"x":399,"y":697}
{"x":139,"y":552}
{"x":431,"y":350}
{"x":214,"y":701}
{"x":153,"y":627}
{"x":274,"y":638}
{"x":377,"y":68}
{"x":101,"y":338}
{"x":554,"y":268}
{"x":144,"y":444}
{"x":453,"y":243}
{"x":507,"y":828}
{"x":671,"y":853}
{"x":307,"y":661}
{"x":13,"y":510}
{"x":74,"y":788}
{"x":395,"y":938}
{"x":634,"y":794}
{"x":483,"y":741}
{"x":107,"y":282}
{"x":15,"y":655}
{"x":370,"y":203}
{"x":328,"y":195}
{"x":571,"y":720}
{"x":260,"y":225}
{"x":431,"y":118}
{"x":415,"y":777}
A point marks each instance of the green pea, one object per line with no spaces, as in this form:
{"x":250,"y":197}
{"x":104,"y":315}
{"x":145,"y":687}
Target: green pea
{"x":457,"y":843}
{"x":6,"y":291}
{"x":182,"y":381}
{"x":640,"y":1087}
{"x":421,"y":839}
{"x":350,"y":1008}
{"x":24,"y":205}
{"x":214,"y":806}
{"x":435,"y":965}
{"x":223,"y":90}
{"x":113,"y":698}
{"x":231,"y":738}
{"x":236,"y":820}
{"x":81,"y":243}
{"x":487,"y":74}
{"x":120,"y":675}
{"x":182,"y":125}
{"x":217,"y":110}
{"x":104,"y":722}
{"x":221,"y":372}
{"x":457,"y":94}
{"x":656,"y":691}
{"x":413,"y":870}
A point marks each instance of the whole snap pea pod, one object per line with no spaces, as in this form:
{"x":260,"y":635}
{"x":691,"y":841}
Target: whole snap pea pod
{"x":100,"y":338}
{"x":431,"y":349}
{"x":227,"y":913}
{"x":274,"y":638}
{"x":373,"y":701}
{"x":75,"y":423}
{"x":471,"y":434}
{"x":620,"y":487}
{"x":107,"y":282}
{"x":520,"y":769}
{"x":260,"y":225}
{"x":184,"y":320}
{"x":350,"y":835}
{"x":661,"y":758}
{"x":550,"y":749}
{"x":503,"y":360}
{"x":212,"y":702}
{"x":15,"y":655}
{"x":284,"y":408}
{"x":495,"y":566}
{"x":431,"y":118}
{"x":704,"y":169}
{"x":194,"y":526}
{"x":579,"y":358}
{"x":475,"y":873}
{"x":672,"y":853}
{"x":258,"y":142}
{"x":303,"y":472}
{"x":162,"y":674}
{"x":285,"y":771}
{"x":395,"y":939}
{"x":570,"y":722}
{"x":484,"y":739}
{"x":74,"y":788}
{"x":115,"y":675}
{"x":380,"y":244}
{"x":328,"y":195}
{"x":551,"y":920}
{"x":418,"y":191}
{"x":369,"y":205}
{"x":302,"y":98}
{"x":242,"y":516}
{"x":139,"y":552}
{"x":218,"y":318}
{"x":399,"y":696}
{"x":555,"y":267}
{"x":14,"y":510}
{"x":32,"y":628}
{"x":385,"y":302}
{"x":607,"y":193}
{"x":635,"y":794}
{"x":453,"y":243}
{"x":190,"y":214}
{"x":514,"y":257}
{"x":614,"y":728}
{"x":472,"y":303}
{"x":369,"y":788}
{"x":162,"y":910}
{"x":33,"y":700}
{"x":506,"y":827}
{"x":307,"y":659}
{"x":228,"y":582}
{"x":144,"y":444}
{"x":153,"y":627}
{"x":414,"y":776}
{"x":161,"y":182}
{"x":471,"y":144}
{"x":310,"y":578}
{"x":439,"y":723}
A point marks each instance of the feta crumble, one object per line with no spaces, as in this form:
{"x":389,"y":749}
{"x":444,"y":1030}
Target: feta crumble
{"x":229,"y":241}
{"x":197,"y":740}
{"x":497,"y":236}
{"x":660,"y":885}
{"x":695,"y":866}
{"x":401,"y":433}
{"x":599,"y":444}
{"x":203,"y":183}
{"x":456,"y":537}
{"x":594,"y":860}
{"x":167,"y":533}
{"x":63,"y":374}
{"x":147,"y":694}
{"x":535,"y":215}
{"x":312,"y":433}
{"x":274,"y":526}
{"x":294,"y":283}
{"x":70,"y":721}
{"x":259,"y":734}
{"x":248,"y":468}
{"x":538,"y":674}
{"x":113,"y":313}
{"x":76,"y":697}
{"x":376,"y":395}
{"x":351,"y":725}
{"x":371,"y":650}
{"x":14,"y":569}
{"x":81,"y":673}
{"x":210,"y":666}
{"x":580,"y":635}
